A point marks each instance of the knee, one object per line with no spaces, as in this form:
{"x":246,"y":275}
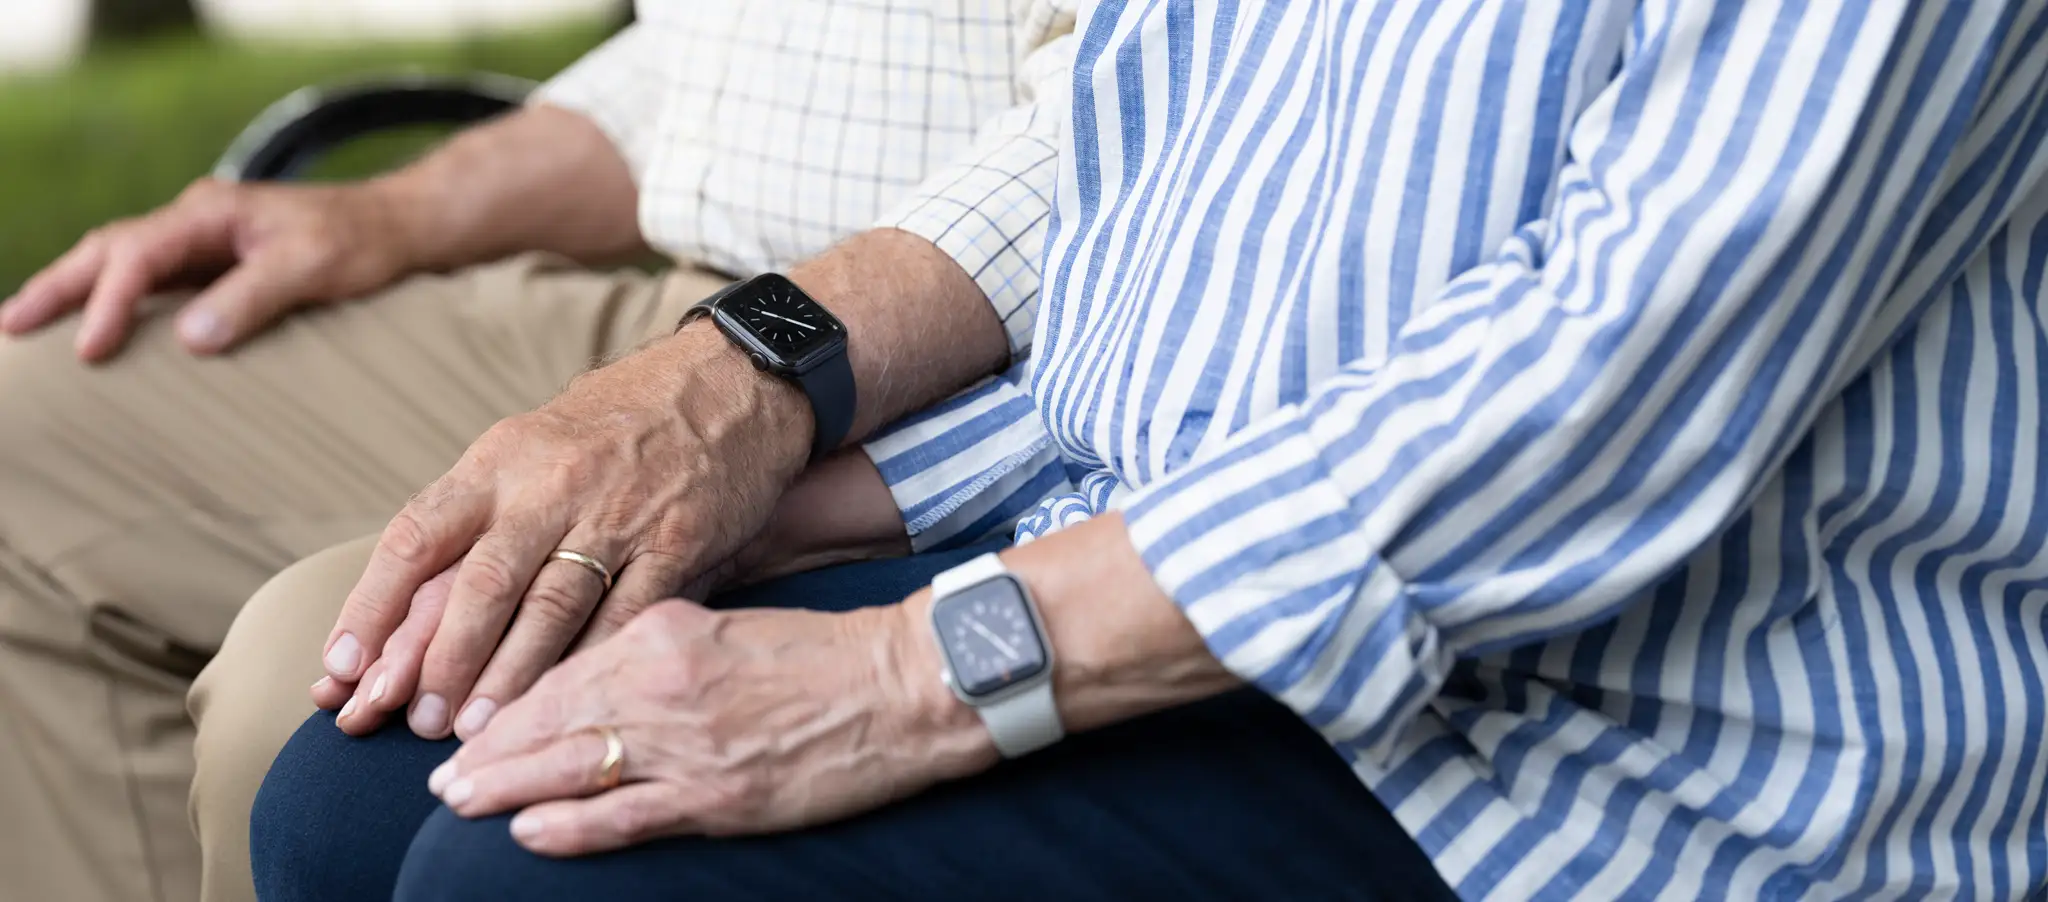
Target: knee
{"x":452,"y":859}
{"x":252,"y":696}
{"x":333,"y":818}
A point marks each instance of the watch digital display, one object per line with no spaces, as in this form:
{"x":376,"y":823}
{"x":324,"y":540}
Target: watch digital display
{"x":783,"y":319}
{"x":989,"y":637}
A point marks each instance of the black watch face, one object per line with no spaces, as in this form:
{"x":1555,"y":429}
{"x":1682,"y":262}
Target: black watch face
{"x":782,"y":318}
{"x":989,"y":637}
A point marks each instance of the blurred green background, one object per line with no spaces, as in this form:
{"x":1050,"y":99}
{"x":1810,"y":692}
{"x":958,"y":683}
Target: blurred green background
{"x":125,"y":129}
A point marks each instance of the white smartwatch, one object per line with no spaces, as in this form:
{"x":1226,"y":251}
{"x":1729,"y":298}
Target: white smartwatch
{"x":997,"y":659}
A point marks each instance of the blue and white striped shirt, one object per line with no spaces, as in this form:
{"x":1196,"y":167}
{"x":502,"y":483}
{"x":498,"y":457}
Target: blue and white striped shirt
{"x":1616,"y":426}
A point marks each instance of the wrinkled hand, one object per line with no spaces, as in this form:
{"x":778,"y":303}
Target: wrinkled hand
{"x":734,"y":722}
{"x":273,"y":248}
{"x":659,"y":465}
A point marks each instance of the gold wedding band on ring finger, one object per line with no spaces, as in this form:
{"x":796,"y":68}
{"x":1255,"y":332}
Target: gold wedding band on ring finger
{"x":612,"y":770}
{"x":595,"y":566}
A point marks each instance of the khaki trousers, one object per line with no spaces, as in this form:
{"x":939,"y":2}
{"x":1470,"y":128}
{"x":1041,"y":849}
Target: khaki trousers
{"x":143,"y":501}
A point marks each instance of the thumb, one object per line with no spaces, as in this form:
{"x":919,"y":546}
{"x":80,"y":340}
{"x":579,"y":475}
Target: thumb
{"x":242,"y":302}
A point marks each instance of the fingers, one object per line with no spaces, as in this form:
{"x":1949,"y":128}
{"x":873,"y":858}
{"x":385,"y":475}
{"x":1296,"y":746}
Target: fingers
{"x":239,"y":304}
{"x":430,"y":534}
{"x":141,"y":255}
{"x":569,"y":767}
{"x":494,"y":576}
{"x":330,"y":694}
{"x":622,"y":817}
{"x":57,"y":290}
{"x":390,"y":682}
{"x":554,"y":610}
{"x":647,"y":579}
{"x":110,"y":310}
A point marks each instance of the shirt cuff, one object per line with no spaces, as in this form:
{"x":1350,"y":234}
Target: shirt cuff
{"x":989,"y":215}
{"x":970,"y":467}
{"x":1262,"y":550}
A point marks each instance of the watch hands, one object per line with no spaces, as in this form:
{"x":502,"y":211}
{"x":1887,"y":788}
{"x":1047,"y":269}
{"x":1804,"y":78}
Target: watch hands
{"x":994,"y":640}
{"x":786,"y":319}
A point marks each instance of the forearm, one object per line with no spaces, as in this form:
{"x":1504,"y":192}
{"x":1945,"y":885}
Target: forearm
{"x":540,"y":179}
{"x":918,"y":327}
{"x":1121,"y":648}
{"x":837,"y":512}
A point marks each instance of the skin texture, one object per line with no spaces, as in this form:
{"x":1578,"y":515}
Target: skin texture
{"x":757,"y":721}
{"x":539,"y":179}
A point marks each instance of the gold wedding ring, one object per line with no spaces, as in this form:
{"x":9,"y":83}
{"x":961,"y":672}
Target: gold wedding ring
{"x":586,"y":562}
{"x":613,"y":769}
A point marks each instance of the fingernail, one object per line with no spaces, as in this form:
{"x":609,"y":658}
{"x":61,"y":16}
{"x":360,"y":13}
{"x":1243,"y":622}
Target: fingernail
{"x":475,"y":716}
{"x":322,"y":683}
{"x":430,"y":715}
{"x":202,"y":328}
{"x":377,"y":688}
{"x":343,"y":658}
{"x":347,"y":709}
{"x":439,"y":779}
{"x":458,"y":793}
{"x":526,"y":826}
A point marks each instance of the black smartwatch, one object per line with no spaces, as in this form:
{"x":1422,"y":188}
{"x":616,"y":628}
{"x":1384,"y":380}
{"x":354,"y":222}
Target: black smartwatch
{"x":785,"y":332}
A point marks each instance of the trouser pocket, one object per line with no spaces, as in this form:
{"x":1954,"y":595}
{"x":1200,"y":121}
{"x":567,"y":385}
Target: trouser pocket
{"x":153,"y":649}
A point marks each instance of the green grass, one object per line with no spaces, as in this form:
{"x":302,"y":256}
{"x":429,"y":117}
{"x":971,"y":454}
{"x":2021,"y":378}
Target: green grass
{"x":125,"y":130}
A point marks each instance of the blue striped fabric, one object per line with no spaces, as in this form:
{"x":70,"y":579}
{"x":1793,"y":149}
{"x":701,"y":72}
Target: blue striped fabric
{"x":1617,"y":427}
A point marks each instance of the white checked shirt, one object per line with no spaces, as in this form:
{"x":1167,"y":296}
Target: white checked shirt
{"x":762,"y":131}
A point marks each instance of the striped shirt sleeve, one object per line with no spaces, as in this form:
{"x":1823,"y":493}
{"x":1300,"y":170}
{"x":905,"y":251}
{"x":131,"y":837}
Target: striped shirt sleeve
{"x":1566,"y":423}
{"x":989,"y":210}
{"x":621,"y":87}
{"x":970,"y":468}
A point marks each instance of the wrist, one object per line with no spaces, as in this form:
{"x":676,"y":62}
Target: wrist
{"x":1121,"y":648}
{"x":721,"y":393}
{"x":402,"y":204}
{"x":914,"y":678}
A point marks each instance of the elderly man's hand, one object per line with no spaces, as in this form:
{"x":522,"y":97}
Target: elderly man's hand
{"x":734,"y":722}
{"x":274,"y":248}
{"x":659,"y":466}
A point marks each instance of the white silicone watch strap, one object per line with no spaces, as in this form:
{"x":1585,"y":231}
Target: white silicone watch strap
{"x":1028,"y":721}
{"x":1022,"y":724}
{"x":981,"y":569}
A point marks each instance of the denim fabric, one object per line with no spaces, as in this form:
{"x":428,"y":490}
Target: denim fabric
{"x":1230,"y":798}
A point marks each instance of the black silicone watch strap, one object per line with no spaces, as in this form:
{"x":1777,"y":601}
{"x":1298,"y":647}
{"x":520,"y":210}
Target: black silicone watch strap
{"x":828,"y":384}
{"x":830,"y":387}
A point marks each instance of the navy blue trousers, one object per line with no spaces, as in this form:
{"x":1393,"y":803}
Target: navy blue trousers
{"x":1229,"y":798}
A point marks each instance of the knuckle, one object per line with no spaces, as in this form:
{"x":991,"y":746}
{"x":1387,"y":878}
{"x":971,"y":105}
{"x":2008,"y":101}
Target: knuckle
{"x":407,"y":538}
{"x":734,"y":798}
{"x":556,"y":606}
{"x":489,"y":576}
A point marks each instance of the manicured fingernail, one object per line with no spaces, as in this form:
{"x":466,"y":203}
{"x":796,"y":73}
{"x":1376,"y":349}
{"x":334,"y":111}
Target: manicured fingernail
{"x":475,"y":716}
{"x":458,"y":793}
{"x":344,"y":657}
{"x":440,"y":778}
{"x":526,"y":826}
{"x":203,"y":328}
{"x":321,"y":684}
{"x":347,"y":709}
{"x":377,"y":688}
{"x":430,"y":715}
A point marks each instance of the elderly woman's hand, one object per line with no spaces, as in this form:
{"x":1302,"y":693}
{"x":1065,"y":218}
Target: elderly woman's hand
{"x":732,"y":722}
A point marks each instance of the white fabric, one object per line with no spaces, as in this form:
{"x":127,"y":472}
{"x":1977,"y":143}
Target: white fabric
{"x":762,"y":131}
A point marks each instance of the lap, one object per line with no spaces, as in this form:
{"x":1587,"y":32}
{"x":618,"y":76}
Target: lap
{"x":172,"y":485}
{"x":1229,"y":798}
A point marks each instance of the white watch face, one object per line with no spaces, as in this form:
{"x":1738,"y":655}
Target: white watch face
{"x":989,"y":638}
